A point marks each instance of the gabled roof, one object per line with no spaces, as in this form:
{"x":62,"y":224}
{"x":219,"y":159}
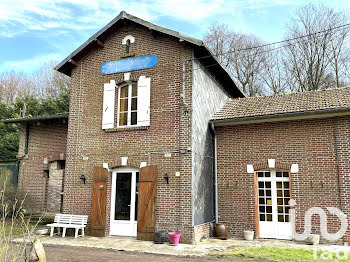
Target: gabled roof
{"x":265,"y":108}
{"x":36,"y":118}
{"x":102,"y":35}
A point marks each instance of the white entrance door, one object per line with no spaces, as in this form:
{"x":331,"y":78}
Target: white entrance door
{"x":273,"y":204}
{"x":124,"y":198}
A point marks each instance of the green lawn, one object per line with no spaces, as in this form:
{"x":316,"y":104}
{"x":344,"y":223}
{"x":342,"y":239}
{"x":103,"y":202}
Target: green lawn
{"x":281,"y":255}
{"x":17,"y":228}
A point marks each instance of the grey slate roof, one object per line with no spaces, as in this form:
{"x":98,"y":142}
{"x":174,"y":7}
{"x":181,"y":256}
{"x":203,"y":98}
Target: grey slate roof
{"x":268,"y":106}
{"x":36,"y":118}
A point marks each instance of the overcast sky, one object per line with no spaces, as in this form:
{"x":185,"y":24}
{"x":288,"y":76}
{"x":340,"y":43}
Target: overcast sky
{"x":36,"y":31}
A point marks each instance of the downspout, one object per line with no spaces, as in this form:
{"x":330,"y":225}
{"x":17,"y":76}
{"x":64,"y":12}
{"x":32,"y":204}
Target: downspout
{"x":215,"y":174}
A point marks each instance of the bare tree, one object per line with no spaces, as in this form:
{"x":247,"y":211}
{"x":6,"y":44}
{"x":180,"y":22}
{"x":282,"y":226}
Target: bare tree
{"x":49,"y":82}
{"x":46,"y":82}
{"x":315,"y":61}
{"x":235,"y":52}
{"x":274,"y":76}
{"x":13,"y":85}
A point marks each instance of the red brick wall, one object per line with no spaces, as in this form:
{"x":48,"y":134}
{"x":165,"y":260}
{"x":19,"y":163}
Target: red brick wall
{"x":46,"y":140}
{"x":309,"y":143}
{"x":86,"y":137}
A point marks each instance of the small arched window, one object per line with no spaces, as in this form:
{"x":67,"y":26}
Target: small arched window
{"x":128,"y":46}
{"x":128,"y":41}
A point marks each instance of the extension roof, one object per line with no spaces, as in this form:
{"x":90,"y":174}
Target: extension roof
{"x":36,"y":118}
{"x":275,"y":107}
{"x":200,"y":50}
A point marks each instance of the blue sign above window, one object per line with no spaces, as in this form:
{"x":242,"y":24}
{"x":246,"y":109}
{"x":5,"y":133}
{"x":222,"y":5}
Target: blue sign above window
{"x":130,"y":64}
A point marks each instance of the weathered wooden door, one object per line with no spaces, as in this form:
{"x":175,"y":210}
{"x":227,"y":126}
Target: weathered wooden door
{"x":146,"y":216}
{"x":98,"y":203}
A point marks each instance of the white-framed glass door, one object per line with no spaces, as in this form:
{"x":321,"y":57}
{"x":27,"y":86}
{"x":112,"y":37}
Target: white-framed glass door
{"x":124,"y":199}
{"x":273,"y":204}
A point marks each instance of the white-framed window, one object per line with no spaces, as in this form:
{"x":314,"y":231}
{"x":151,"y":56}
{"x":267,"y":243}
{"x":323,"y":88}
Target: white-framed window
{"x":133,"y":105}
{"x":127,"y":109}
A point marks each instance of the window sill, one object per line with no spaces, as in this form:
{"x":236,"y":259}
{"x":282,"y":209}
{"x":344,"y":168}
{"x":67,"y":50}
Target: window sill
{"x":127,"y":55}
{"x":122,"y":129}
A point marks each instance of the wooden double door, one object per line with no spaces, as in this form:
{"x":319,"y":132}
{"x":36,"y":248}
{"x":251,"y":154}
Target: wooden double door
{"x":133,"y":202}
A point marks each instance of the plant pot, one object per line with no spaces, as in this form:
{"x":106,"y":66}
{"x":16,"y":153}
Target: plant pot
{"x":248,"y":235}
{"x":221,"y":231}
{"x":314,"y":239}
{"x":174,"y":238}
{"x":159,"y":237}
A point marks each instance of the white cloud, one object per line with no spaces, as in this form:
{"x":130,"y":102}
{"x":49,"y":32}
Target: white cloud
{"x":86,"y":14}
{"x":28,"y":65}
{"x":74,"y":20}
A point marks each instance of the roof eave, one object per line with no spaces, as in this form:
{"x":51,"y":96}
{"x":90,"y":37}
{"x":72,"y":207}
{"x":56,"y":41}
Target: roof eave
{"x":36,"y":118}
{"x":325,"y":113}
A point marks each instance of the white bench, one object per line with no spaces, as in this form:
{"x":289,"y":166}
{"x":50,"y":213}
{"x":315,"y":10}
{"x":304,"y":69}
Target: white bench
{"x":69,"y":221}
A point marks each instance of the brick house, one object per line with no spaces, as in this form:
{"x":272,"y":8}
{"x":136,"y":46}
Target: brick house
{"x":292,"y":146}
{"x":159,"y":137}
{"x":139,"y":147}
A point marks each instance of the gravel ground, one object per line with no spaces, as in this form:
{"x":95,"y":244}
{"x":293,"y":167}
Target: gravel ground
{"x":85,"y":254}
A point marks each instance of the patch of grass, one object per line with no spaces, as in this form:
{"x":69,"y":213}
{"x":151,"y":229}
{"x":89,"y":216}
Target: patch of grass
{"x":14,"y":228}
{"x":277,"y":254}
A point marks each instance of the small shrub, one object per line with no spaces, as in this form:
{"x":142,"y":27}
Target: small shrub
{"x":12,"y":225}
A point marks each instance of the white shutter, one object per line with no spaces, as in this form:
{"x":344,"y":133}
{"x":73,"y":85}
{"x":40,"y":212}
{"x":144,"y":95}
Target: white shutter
{"x":143,"y":101}
{"x":108,"y":105}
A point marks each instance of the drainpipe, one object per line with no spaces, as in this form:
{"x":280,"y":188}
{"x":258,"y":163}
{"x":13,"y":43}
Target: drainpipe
{"x":216,"y":173}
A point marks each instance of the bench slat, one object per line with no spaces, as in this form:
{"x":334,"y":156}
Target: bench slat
{"x":71,"y":219}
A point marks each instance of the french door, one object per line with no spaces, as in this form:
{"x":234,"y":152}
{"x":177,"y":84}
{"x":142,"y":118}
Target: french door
{"x":124,"y":199}
{"x":273,"y":204}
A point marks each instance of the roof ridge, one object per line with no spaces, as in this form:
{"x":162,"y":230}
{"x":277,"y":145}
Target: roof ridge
{"x":293,"y":93}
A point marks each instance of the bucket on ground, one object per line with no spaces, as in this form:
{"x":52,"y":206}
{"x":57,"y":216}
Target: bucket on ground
{"x":174,"y":238}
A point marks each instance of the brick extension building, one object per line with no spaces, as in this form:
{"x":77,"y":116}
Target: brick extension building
{"x":290,"y":146}
{"x":145,"y":147}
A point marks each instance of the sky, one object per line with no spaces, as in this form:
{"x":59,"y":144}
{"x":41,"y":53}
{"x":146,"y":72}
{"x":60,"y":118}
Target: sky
{"x":34,"y":32}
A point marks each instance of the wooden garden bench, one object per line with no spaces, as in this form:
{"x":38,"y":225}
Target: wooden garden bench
{"x":69,"y":221}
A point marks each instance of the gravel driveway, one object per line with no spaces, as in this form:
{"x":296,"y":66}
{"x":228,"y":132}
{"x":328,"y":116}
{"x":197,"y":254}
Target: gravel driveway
{"x":85,"y":254}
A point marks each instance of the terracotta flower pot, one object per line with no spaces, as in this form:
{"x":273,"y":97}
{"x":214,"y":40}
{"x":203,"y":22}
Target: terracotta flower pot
{"x":221,"y":231}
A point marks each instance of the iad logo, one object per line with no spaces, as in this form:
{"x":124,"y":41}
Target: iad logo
{"x":339,"y":253}
{"x":323,"y":222}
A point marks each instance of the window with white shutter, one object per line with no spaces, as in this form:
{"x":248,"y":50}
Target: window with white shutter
{"x":108,"y":105}
{"x":143,"y":101}
{"x":133,"y":104}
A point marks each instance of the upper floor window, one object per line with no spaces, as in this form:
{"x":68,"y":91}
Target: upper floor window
{"x":127,"y":115}
{"x":128,"y":46}
{"x":133,"y":104}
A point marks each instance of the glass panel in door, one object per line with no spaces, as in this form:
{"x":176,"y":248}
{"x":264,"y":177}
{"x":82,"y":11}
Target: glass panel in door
{"x":123,"y":196}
